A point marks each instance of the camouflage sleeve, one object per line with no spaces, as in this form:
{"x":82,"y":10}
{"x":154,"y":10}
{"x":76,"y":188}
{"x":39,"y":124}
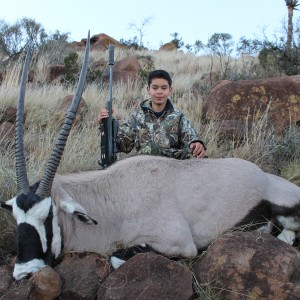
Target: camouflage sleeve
{"x":188,"y":134}
{"x":126,"y":135}
{"x":156,"y":150}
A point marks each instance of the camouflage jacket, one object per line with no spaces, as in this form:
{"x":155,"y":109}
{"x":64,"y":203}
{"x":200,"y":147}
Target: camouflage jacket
{"x":169,"y":134}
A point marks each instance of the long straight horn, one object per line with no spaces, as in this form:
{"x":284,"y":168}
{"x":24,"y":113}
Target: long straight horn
{"x":45,"y":185}
{"x":22,"y":179}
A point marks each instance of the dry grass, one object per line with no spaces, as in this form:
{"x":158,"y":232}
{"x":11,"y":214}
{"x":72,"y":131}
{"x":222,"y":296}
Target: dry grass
{"x":259,"y":145}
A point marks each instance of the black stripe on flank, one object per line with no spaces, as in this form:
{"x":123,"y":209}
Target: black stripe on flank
{"x":285,"y":211}
{"x":257,"y":216}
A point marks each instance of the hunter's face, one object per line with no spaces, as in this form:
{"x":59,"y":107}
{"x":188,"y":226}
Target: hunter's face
{"x":159,"y":90}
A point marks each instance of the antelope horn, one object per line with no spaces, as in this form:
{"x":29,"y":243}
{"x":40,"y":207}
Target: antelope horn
{"x":22,"y":179}
{"x":44,"y":188}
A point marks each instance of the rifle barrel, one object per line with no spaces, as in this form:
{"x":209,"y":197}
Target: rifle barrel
{"x":109,"y":103}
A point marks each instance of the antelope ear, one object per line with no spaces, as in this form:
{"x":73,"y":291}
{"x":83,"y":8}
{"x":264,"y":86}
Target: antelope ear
{"x":84,"y":218}
{"x":73,"y":208}
{"x":7,"y":205}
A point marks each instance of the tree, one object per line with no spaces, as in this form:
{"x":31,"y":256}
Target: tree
{"x":291,"y":5}
{"x":220,"y":44}
{"x":59,"y":36}
{"x":15,"y":37}
{"x":131,"y":43}
{"x":198,"y":46}
{"x":33,"y":31}
{"x":176,"y":40}
{"x":248,"y":46}
{"x":140,"y":29}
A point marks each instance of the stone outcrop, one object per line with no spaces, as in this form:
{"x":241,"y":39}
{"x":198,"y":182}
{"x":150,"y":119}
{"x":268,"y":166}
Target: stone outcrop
{"x":168,"y":47}
{"x":55,"y":72}
{"x":249,"y":100}
{"x":82,"y":274}
{"x":242,"y":265}
{"x":126,"y":69}
{"x":148,"y":276}
{"x":63,"y":106}
{"x":102,"y":41}
{"x":99,"y":41}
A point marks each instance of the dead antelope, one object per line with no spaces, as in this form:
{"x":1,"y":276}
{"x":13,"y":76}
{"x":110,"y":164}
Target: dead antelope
{"x":176,"y":207}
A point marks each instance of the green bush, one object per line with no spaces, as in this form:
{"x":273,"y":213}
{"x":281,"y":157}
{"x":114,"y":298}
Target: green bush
{"x":71,"y":68}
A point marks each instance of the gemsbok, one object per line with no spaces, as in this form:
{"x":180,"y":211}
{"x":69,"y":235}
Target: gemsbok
{"x":177,"y":207}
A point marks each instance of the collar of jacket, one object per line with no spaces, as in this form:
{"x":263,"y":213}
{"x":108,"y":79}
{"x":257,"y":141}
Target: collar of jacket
{"x":146,"y":105}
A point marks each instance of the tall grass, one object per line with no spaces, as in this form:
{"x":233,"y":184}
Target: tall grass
{"x":278,"y":155}
{"x":82,"y":151}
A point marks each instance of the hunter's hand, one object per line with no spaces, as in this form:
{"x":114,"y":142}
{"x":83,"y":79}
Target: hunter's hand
{"x":198,"y":149}
{"x":103,"y":114}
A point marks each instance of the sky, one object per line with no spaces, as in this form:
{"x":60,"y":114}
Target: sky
{"x":191,"y":19}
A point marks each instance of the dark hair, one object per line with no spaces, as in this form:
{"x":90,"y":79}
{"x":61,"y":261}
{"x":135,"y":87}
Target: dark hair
{"x":159,"y":74}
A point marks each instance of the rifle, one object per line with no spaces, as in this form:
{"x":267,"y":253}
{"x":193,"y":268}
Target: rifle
{"x":109,"y":126}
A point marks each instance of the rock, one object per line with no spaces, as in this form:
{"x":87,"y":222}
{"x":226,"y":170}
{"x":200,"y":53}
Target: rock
{"x":63,"y":106}
{"x":54,"y":72}
{"x":168,"y":47}
{"x":6,"y":278}
{"x":148,"y":276}
{"x":82,"y":274}
{"x":47,"y":284}
{"x":250,"y":100}
{"x":19,"y":290}
{"x":8,"y":242}
{"x":102,"y":41}
{"x":126,"y":69}
{"x":241,"y":265}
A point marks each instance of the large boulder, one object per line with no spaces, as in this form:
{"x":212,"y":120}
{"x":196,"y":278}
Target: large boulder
{"x":249,"y":100}
{"x":63,"y":106}
{"x":102,"y":41}
{"x":55,"y":72}
{"x":45,"y":284}
{"x":82,"y":274}
{"x":168,"y":47}
{"x":148,"y":276}
{"x":99,"y":41}
{"x":126,"y":69}
{"x":241,"y":265}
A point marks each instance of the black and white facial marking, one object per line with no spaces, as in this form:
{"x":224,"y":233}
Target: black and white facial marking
{"x":39,"y":236}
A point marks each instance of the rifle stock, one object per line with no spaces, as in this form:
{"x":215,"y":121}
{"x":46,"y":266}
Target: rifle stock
{"x":109,"y":126}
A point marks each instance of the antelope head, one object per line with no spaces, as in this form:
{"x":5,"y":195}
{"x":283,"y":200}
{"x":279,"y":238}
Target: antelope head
{"x":39,"y":236}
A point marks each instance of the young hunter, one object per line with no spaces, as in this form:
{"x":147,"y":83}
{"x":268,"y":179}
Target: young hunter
{"x":156,"y":127}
